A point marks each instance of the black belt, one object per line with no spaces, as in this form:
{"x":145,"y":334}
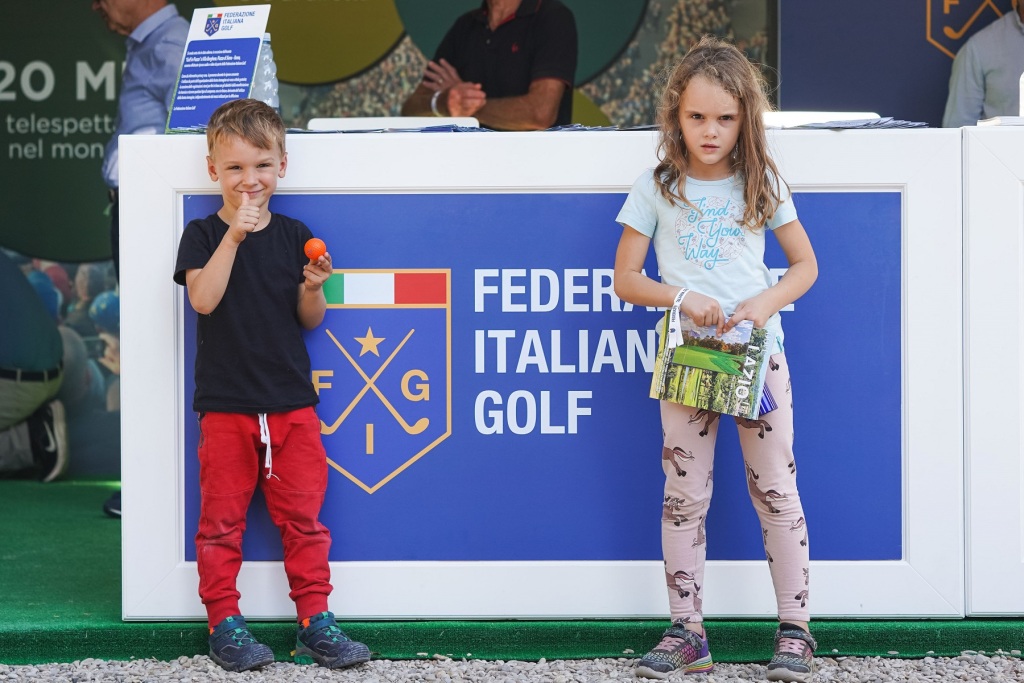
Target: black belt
{"x":112,"y":194}
{"x":30,"y":375}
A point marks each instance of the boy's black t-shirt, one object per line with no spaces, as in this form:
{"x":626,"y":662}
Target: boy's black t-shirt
{"x":250,"y":354}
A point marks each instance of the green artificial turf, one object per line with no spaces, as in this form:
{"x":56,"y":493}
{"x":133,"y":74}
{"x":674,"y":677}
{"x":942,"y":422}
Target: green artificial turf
{"x":60,"y":555}
{"x":60,"y":577}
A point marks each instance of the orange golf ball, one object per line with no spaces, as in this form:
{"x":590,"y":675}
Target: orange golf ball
{"x":315,"y":248}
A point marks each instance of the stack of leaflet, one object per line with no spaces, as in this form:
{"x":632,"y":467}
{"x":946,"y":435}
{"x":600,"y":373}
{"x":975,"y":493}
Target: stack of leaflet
{"x":444,"y":128}
{"x":864,"y":124}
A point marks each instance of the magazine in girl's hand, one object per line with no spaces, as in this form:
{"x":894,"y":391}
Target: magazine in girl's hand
{"x":721,"y":374}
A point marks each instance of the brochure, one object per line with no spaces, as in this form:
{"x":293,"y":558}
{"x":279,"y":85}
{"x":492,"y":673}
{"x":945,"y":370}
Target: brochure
{"x":721,"y":374}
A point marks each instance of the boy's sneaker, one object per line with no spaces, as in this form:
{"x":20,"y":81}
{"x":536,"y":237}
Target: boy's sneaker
{"x":319,"y":639}
{"x":678,"y":649}
{"x":233,"y":647}
{"x":48,"y":435}
{"x":794,"y":655}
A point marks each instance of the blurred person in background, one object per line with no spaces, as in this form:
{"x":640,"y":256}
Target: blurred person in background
{"x":155,"y":39}
{"x":985,"y":81}
{"x":90,"y":281}
{"x":509,"y":63}
{"x":33,"y":430}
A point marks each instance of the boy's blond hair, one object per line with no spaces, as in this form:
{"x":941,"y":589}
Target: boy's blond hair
{"x":250,"y":120}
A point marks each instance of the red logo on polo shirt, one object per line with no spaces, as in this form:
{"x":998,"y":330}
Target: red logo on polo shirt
{"x":515,"y":47}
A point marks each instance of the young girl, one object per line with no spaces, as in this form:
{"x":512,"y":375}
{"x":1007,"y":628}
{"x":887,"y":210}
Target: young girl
{"x":707,"y":207}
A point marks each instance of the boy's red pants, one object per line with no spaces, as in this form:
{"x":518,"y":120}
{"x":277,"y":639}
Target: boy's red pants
{"x":231,"y":463}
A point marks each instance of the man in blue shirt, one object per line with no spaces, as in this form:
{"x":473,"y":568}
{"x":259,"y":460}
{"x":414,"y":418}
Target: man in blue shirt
{"x":985,"y":81}
{"x":156,"y":36}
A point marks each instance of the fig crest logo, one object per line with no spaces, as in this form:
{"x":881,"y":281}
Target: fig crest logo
{"x":382,"y":369}
{"x":949,"y":23}
{"x":212,"y":24}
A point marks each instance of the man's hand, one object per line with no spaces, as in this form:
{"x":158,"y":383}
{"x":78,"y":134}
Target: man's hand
{"x":465,"y":99}
{"x":441,"y":76}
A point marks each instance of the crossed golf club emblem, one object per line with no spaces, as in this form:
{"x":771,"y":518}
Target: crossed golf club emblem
{"x":370,"y":385}
{"x":957,"y":34}
{"x":949,"y":32}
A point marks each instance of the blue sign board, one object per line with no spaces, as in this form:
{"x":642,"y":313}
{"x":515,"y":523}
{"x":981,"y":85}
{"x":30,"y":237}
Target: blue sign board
{"x":504,"y":416}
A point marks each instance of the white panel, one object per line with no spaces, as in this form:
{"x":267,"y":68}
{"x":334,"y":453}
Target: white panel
{"x":994,"y":216}
{"x":923,"y":165}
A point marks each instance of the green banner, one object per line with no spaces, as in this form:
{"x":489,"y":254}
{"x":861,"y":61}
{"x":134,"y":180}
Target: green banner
{"x":60,"y":73}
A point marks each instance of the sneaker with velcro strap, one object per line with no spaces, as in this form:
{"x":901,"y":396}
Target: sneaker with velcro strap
{"x":320,"y":640}
{"x":679,"y":650}
{"x":234,"y":648}
{"x":793,"y":660}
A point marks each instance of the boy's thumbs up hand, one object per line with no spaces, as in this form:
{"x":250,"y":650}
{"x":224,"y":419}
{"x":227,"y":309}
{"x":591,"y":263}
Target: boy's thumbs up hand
{"x":246,"y":218}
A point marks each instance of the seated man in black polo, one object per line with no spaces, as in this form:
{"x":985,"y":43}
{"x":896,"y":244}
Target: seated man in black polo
{"x":510,"y":63}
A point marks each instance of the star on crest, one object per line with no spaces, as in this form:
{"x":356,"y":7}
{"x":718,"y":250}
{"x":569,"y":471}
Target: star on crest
{"x":369,"y":343}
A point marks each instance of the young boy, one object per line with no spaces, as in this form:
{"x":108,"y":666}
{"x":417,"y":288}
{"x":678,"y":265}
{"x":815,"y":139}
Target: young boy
{"x":254,"y":291}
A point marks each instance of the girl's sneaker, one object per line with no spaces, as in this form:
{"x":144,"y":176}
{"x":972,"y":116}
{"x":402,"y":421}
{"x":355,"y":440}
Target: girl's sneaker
{"x":678,"y":649}
{"x":794,"y":655}
{"x":233,"y":647}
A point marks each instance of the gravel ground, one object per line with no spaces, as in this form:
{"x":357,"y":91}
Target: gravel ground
{"x":972,"y":667}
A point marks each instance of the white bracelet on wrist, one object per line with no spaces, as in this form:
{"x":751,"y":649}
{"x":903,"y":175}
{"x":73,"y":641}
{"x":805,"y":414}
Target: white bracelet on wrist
{"x":433,"y":102}
{"x":675,"y":332}
{"x":680,"y":296}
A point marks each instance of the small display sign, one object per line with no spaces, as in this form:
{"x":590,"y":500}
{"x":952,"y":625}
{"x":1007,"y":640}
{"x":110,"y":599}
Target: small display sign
{"x":219,"y":62}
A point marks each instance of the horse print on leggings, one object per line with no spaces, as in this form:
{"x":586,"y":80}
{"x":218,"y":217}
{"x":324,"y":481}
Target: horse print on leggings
{"x":672,"y":510}
{"x":681,"y":582}
{"x":800,"y":525}
{"x":757,"y":494}
{"x":685,"y":585}
{"x":702,"y":538}
{"x":762,"y":425}
{"x":709,"y":417}
{"x":677,"y":457}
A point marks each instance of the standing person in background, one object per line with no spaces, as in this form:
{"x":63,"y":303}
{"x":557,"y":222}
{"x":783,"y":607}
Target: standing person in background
{"x":155,"y":42}
{"x":985,"y":81}
{"x":33,"y":431}
{"x":715,"y":182}
{"x":156,"y":36}
{"x":510,"y":63}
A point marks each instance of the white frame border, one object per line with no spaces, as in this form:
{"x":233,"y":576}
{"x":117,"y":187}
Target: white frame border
{"x":927,"y":582}
{"x":994,"y":220}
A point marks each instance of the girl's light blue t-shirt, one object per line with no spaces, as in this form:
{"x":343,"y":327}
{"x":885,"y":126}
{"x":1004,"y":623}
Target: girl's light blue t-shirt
{"x":707,"y":250}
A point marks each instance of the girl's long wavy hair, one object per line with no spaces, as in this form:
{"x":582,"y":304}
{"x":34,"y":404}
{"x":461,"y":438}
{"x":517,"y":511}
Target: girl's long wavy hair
{"x":723,"y":64}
